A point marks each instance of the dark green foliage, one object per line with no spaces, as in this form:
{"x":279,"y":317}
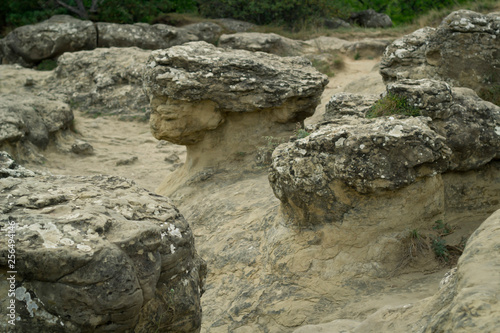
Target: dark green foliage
{"x":392,"y":104}
{"x":440,"y":249}
{"x":47,"y":65}
{"x":491,"y":94}
{"x":291,"y":13}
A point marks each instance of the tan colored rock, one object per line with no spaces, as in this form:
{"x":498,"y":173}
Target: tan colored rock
{"x":221,"y":103}
{"x":467,"y":300}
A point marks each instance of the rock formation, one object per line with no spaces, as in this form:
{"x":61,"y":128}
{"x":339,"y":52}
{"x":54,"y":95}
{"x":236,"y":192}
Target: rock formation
{"x":371,"y":19}
{"x":29,"y":118}
{"x":463,"y":50}
{"x":328,"y":175}
{"x":30,"y":44}
{"x":221,"y":103}
{"x":97,"y":254}
{"x":142,"y":35}
{"x":103,"y":81}
{"x":467,"y":300}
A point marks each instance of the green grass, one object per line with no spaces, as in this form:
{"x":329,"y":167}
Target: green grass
{"x":392,"y":104}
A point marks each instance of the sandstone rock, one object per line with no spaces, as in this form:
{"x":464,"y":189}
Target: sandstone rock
{"x":366,"y":48}
{"x":471,"y":126}
{"x":30,"y":44}
{"x":205,"y":31}
{"x":467,"y":300}
{"x":221,"y":103}
{"x":371,"y":19}
{"x":463,"y":50}
{"x":312,"y":176}
{"x":263,"y":42}
{"x":31,"y":119}
{"x":142,"y":35}
{"x":98,"y":254}
{"x":103,"y":81}
{"x":9,"y":168}
{"x":82,"y":148}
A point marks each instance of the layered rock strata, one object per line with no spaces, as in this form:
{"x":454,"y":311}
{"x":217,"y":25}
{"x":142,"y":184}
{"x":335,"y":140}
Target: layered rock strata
{"x":97,"y":254}
{"x":221,"y":103}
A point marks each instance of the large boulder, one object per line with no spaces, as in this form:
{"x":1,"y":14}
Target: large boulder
{"x":103,"y":81}
{"x":263,"y":42}
{"x":463,"y":50}
{"x":371,"y":19}
{"x":30,"y":44}
{"x":142,"y":35}
{"x":28,"y":122}
{"x":467,"y":300}
{"x":221,"y":102}
{"x":470,"y":125}
{"x":96,"y":254}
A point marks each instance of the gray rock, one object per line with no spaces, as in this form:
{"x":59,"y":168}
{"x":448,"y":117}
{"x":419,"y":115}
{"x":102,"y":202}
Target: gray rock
{"x":235,"y":25}
{"x":347,"y":104}
{"x":144,"y":36}
{"x":9,"y":168}
{"x":263,"y":42}
{"x":313,"y":177}
{"x":103,"y":81}
{"x":82,"y":148}
{"x":98,"y":254}
{"x":463,"y":50}
{"x":205,"y":31}
{"x":470,"y":125}
{"x":371,"y":19}
{"x":32,"y":118}
{"x":30,"y":44}
{"x":335,"y":23}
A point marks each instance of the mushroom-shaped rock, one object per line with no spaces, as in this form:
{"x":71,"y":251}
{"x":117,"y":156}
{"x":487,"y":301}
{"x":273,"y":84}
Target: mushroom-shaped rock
{"x":464,"y":50}
{"x":97,"y":254}
{"x":222,"y":102}
{"x":336,"y":169}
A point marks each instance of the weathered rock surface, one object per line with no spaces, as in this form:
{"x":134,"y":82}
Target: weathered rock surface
{"x":142,"y":35}
{"x":470,"y":125}
{"x":222,"y":102}
{"x":235,"y":25}
{"x":467,"y":300}
{"x":263,"y":42}
{"x":371,"y":19}
{"x":98,"y":254}
{"x":30,"y":44}
{"x":321,"y":178}
{"x":28,"y":122}
{"x":103,"y":81}
{"x":312,"y":176}
{"x":205,"y":31}
{"x":464,"y":51}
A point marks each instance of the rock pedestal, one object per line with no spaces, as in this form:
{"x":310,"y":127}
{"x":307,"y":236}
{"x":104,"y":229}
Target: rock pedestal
{"x":222,"y":103}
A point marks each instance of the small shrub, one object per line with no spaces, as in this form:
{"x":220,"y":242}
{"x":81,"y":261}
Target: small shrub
{"x":47,"y":65}
{"x":357,"y":56}
{"x":392,"y":104}
{"x":442,"y":228}
{"x":491,"y":94}
{"x":440,"y":249}
{"x":302,"y":133}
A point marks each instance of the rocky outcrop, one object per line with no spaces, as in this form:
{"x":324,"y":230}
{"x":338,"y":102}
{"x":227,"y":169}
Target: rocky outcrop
{"x":235,"y":25}
{"x":97,"y":254}
{"x":371,"y":19}
{"x":463,"y":50}
{"x":262,"y":42}
{"x":329,"y":175}
{"x":205,"y":31}
{"x":30,"y":44}
{"x":28,"y":122}
{"x":142,"y":35}
{"x":222,"y":102}
{"x":103,"y":81}
{"x":467,"y":300}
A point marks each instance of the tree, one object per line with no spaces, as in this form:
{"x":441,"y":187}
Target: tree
{"x":80,"y":9}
